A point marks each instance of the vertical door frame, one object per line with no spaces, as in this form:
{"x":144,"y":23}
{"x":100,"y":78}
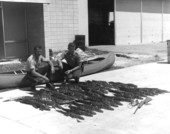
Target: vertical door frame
{"x":141,"y":23}
{"x":2,"y":12}
{"x":162,"y":20}
{"x":115,"y":31}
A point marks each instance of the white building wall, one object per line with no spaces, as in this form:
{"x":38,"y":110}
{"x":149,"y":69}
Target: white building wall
{"x":151,"y":24}
{"x":151,"y":21}
{"x":128,"y":22}
{"x":166,"y":20}
{"x":128,"y":28}
{"x":63,"y":19}
{"x":61,"y":24}
{"x":151,"y":27}
{"x":166,"y":27}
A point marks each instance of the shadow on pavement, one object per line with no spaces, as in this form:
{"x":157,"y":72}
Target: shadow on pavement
{"x":87,"y":98}
{"x":163,"y":62}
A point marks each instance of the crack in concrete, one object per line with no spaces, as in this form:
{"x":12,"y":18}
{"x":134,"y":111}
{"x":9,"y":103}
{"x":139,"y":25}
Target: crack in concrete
{"x":25,"y":125}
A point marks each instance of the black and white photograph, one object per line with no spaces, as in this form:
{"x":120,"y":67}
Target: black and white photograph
{"x":84,"y":66}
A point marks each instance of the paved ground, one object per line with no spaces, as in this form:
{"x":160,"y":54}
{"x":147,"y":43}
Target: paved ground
{"x":17,"y":118}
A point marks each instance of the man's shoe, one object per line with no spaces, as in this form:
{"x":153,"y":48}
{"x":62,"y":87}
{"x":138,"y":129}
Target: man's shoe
{"x":33,"y":88}
{"x":76,"y":80}
{"x":66,"y":80}
{"x":50,"y":86}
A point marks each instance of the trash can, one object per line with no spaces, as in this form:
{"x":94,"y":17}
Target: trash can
{"x":168,"y":50}
{"x":80,"y":41}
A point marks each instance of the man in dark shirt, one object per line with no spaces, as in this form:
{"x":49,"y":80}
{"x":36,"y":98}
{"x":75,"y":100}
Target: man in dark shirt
{"x":73,"y":67}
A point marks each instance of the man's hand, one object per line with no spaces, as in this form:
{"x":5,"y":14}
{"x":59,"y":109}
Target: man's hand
{"x":60,"y":64}
{"x":52,"y":70}
{"x":61,"y":67}
{"x":46,"y":79}
{"x":68,"y":72}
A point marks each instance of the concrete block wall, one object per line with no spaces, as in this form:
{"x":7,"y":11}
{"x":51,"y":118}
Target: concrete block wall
{"x":60,"y":23}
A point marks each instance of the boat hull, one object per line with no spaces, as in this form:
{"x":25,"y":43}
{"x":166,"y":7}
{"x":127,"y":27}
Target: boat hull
{"x":97,"y":66}
{"x":93,"y":65}
{"x":11,"y":80}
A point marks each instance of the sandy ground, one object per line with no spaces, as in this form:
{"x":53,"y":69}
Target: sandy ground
{"x":17,"y":118}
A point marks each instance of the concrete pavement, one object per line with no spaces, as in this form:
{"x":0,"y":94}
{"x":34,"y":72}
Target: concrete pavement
{"x":17,"y":118}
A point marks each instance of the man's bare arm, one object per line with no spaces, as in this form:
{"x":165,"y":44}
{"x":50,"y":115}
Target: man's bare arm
{"x":34,"y":73}
{"x":74,"y":69}
{"x":50,"y":63}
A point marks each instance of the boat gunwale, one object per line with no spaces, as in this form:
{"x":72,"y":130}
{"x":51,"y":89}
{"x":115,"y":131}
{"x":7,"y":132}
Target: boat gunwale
{"x":5,"y":74}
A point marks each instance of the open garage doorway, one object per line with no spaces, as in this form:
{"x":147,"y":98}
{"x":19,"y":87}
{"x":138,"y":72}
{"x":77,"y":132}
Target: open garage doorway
{"x":101,"y":22}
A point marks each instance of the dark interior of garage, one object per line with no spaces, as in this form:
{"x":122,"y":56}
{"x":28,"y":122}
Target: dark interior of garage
{"x":101,"y":22}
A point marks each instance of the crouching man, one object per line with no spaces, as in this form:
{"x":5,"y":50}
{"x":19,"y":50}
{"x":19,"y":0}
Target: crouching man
{"x":73,"y":68}
{"x":39,"y":68}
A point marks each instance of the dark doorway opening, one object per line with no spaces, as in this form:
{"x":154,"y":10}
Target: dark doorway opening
{"x":101,"y":22}
{"x":21,"y":28}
